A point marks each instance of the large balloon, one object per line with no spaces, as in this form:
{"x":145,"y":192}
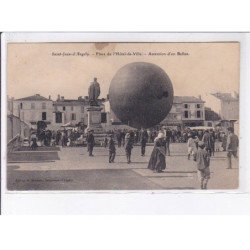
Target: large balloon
{"x":141,"y":94}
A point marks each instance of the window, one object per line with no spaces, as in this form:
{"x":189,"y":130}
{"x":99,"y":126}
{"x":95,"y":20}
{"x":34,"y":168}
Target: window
{"x":73,"y":116}
{"x":198,"y":113}
{"x":33,"y":105}
{"x":44,"y":105}
{"x":198,"y":106}
{"x":72,"y":108}
{"x":58,"y":117}
{"x":82,"y":109}
{"x":103,"y":117}
{"x":186,"y":106}
{"x":21,"y":106}
{"x":64,"y":108}
{"x":186,"y":114}
{"x":44,"y":116}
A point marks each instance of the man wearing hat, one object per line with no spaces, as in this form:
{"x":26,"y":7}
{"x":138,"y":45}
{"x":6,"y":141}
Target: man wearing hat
{"x":129,"y":141}
{"x":232,"y":146}
{"x":112,"y":150}
{"x":203,"y":161}
{"x":144,"y":139}
{"x":90,"y":142}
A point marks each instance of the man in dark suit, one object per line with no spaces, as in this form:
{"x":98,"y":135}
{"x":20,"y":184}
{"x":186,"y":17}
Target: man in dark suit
{"x":144,"y":139}
{"x":90,"y":142}
{"x":112,"y":150}
{"x":168,"y":137}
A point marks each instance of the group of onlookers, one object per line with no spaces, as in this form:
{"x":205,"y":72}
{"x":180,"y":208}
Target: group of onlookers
{"x":46,"y":137}
{"x":201,"y":145}
{"x":202,"y":148}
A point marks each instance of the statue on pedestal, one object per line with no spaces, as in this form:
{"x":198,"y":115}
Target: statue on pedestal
{"x":94,"y":92}
{"x":94,"y":109}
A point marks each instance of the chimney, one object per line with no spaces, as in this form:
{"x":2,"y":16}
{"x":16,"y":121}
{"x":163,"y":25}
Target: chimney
{"x":58,"y":97}
{"x":62,"y":98}
{"x":80,"y":98}
{"x":199,"y":97}
{"x":49,"y":97}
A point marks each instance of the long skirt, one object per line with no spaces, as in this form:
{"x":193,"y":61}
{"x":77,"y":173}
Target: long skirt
{"x":157,"y":160}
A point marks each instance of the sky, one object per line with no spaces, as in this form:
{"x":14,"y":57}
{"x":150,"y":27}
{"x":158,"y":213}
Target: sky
{"x":68,"y":68}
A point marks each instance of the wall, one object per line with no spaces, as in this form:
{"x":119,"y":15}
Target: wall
{"x":16,"y":126}
{"x":230,"y":110}
{"x":33,"y":115}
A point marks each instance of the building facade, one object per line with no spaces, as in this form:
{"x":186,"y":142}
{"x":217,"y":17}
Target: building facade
{"x":187,"y":111}
{"x":73,"y":111}
{"x":34,"y":108}
{"x":69,"y":111}
{"x":54,"y":113}
{"x":228,"y":105}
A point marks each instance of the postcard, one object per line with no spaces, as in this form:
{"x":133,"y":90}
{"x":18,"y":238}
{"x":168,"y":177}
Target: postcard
{"x":122,"y":115}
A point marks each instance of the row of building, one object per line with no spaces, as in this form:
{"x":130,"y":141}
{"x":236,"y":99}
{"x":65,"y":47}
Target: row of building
{"x":186,"y":111}
{"x":55,"y":114}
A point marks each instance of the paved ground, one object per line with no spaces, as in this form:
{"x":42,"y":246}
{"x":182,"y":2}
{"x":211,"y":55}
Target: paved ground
{"x":77,"y":171}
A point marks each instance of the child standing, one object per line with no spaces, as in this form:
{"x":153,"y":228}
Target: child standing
{"x":112,"y":150}
{"x":203,"y":161}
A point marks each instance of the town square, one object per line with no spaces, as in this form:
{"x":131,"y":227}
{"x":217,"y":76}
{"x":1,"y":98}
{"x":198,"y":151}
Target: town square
{"x":136,"y":127}
{"x":77,"y":171}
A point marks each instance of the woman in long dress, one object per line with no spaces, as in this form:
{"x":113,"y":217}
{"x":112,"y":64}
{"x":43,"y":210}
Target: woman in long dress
{"x":157,"y":161}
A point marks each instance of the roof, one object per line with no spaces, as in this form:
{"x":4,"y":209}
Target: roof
{"x":187,"y":99}
{"x":69,"y":102}
{"x":224,"y":96}
{"x":74,"y":102}
{"x":36,"y":97}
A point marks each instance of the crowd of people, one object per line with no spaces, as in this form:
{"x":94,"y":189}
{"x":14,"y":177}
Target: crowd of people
{"x":201,"y":144}
{"x":48,"y":138}
{"x":74,"y":137}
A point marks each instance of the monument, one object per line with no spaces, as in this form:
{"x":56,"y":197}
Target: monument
{"x":141,"y":94}
{"x":94,"y":109}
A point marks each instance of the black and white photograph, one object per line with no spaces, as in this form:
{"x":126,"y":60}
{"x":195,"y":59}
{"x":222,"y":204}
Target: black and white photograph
{"x":122,"y":116}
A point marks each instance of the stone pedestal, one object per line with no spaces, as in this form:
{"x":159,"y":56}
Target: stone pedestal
{"x":94,"y":119}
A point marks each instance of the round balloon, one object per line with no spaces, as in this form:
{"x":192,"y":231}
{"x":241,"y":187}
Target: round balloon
{"x":141,"y":94}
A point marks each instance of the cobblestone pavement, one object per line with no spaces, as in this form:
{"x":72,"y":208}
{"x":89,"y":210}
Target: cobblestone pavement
{"x":77,"y":171}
